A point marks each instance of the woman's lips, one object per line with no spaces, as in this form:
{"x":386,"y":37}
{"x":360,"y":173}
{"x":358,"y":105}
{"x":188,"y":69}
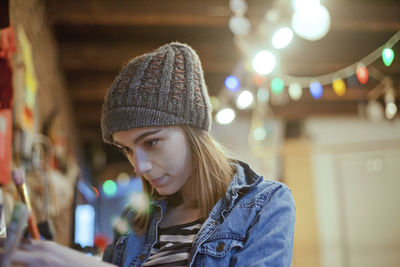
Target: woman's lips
{"x":159,"y":181}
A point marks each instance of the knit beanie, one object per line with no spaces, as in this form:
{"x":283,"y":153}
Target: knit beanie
{"x":162,"y":88}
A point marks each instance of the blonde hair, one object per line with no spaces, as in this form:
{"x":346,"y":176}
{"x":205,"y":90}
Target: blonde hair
{"x":211,"y":171}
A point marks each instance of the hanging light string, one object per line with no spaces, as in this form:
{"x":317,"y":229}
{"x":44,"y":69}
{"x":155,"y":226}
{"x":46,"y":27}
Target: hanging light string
{"x":239,"y":83}
{"x":345,"y":72}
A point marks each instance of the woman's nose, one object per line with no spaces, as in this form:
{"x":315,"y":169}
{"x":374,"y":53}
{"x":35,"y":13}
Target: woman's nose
{"x":141,"y":163}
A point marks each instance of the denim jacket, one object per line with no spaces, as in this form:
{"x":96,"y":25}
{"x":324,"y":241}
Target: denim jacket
{"x":252,"y":225}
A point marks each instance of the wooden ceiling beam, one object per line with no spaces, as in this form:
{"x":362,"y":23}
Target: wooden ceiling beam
{"x":140,"y":13}
{"x":217,"y":57}
{"x":381,"y":15}
{"x":111,"y":56}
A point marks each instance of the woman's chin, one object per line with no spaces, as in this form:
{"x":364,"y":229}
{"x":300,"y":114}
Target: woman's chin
{"x":166,"y":191}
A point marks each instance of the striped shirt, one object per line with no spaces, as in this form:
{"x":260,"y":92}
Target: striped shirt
{"x":174,"y":245}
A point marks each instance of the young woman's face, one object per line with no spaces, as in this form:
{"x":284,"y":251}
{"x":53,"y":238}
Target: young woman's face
{"x":161,"y":155}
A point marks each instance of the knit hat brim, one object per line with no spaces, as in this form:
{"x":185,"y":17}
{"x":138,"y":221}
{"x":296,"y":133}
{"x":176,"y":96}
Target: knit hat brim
{"x":126,"y":118}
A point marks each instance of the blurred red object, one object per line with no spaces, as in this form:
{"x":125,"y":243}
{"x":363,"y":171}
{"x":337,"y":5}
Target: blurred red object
{"x":101,"y":241}
{"x":5,"y":145}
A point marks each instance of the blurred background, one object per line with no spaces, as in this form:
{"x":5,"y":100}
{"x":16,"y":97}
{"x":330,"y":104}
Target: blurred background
{"x":307,"y":92}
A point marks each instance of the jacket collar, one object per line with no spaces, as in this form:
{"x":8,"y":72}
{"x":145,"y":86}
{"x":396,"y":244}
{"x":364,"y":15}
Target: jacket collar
{"x":243,"y":179}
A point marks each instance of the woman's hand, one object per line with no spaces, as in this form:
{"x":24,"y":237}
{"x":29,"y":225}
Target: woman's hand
{"x":47,"y":253}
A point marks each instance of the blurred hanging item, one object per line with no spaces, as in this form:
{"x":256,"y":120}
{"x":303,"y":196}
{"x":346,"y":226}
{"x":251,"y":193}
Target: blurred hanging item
{"x":28,"y":115}
{"x":4,"y":14}
{"x":6,"y":91}
{"x":7,"y":48}
{"x":5,"y":145}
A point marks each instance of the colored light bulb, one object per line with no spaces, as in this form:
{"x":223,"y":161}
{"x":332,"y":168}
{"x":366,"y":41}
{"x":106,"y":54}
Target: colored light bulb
{"x":316,"y":90}
{"x":232,"y":83}
{"x":387,"y":56}
{"x":258,"y":80}
{"x":110,"y":188}
{"x":362,"y":74}
{"x":339,"y":87}
{"x":277,"y":86}
{"x":295,"y":91}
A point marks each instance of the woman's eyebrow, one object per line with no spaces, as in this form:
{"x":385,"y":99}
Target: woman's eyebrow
{"x":140,"y":137}
{"x":144,"y":135}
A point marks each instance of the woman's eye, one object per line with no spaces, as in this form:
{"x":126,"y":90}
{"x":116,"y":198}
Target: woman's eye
{"x":151,"y":143}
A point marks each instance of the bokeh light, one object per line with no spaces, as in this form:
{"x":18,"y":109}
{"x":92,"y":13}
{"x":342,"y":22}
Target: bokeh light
{"x":316,"y":89}
{"x":362,"y":74}
{"x":259,"y":134}
{"x":239,"y":25}
{"x":244,"y":100}
{"x":225,"y":116}
{"x":339,"y":87}
{"x":282,"y":38}
{"x":109,"y":188}
{"x":387,"y":56}
{"x":295,"y":91}
{"x":390,"y":110}
{"x":263,"y":94}
{"x":232,"y":83}
{"x":277,"y":86}
{"x":311,"y":23}
{"x":264,"y":62}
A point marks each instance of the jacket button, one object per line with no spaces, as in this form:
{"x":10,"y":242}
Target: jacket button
{"x":221,"y":246}
{"x":142,"y":257}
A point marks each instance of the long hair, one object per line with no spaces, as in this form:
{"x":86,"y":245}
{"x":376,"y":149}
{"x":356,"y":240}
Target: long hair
{"x":211,"y":171}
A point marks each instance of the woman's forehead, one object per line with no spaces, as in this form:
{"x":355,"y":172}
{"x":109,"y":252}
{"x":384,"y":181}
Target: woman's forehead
{"x":138,"y":132}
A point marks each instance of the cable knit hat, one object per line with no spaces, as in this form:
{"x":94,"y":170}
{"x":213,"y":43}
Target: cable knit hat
{"x":162,"y":88}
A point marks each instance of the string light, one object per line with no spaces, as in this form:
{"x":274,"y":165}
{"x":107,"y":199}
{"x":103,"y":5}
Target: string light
{"x":316,"y":89}
{"x":225,"y":116}
{"x":387,"y":56}
{"x":295,"y":91}
{"x":282,"y":38}
{"x":390,"y":110}
{"x":312,"y":22}
{"x":258,"y":80}
{"x":277,"y":86}
{"x":123,"y":178}
{"x":362,"y":73}
{"x":339,"y":87}
{"x":232,"y":83}
{"x":244,"y":100}
{"x":262,"y":94}
{"x":239,"y":25}
{"x":390,"y":107}
{"x":264,"y":62}
{"x":110,"y":188}
{"x":307,"y":19}
{"x":259,"y":134}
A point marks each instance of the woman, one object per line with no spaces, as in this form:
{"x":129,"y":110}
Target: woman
{"x":206,"y":209}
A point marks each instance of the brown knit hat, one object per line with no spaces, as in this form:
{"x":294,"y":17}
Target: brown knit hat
{"x":162,"y":88}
